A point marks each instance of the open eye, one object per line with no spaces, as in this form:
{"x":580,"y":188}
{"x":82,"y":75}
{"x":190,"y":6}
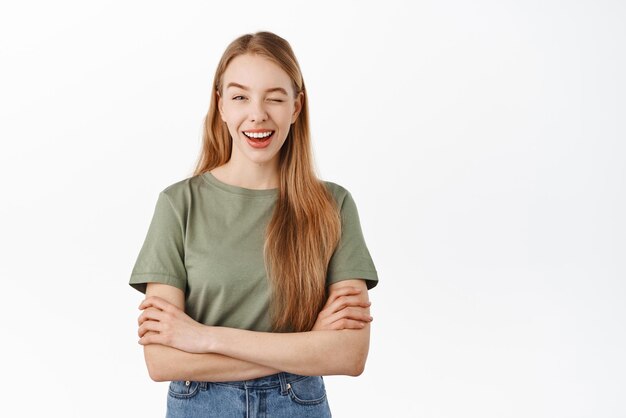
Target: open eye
{"x":235,"y":98}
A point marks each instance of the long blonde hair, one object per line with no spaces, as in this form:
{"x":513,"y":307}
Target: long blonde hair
{"x":306,"y":226}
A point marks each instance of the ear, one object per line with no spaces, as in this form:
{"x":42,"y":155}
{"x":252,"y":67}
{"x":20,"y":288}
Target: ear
{"x":220,"y":105}
{"x":298,"y":107}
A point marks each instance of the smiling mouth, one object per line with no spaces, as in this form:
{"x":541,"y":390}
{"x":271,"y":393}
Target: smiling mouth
{"x":259,"y":136}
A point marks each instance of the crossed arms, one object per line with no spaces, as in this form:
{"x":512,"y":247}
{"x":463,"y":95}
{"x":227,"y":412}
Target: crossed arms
{"x":178,"y":348}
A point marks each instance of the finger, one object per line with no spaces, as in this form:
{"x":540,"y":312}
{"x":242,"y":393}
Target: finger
{"x":358,"y":314}
{"x":148,"y":326}
{"x":155,"y":302}
{"x":345,"y":301}
{"x":145,"y":314}
{"x":342,"y":291}
{"x":348,"y":324}
{"x":150,"y":339}
{"x":150,"y":313}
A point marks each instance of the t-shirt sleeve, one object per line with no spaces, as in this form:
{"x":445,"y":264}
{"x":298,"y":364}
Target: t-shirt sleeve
{"x":351,"y":259}
{"x":162,"y":255}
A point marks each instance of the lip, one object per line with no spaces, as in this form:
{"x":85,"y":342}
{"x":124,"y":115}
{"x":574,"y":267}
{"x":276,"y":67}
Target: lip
{"x":256,"y":131}
{"x":258,"y":144}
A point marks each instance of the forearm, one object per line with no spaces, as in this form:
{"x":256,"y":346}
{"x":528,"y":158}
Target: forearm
{"x":312,"y":353}
{"x":250,"y":354}
{"x":167,"y":363}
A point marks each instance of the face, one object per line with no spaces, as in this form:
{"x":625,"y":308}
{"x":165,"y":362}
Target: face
{"x":257,"y":98}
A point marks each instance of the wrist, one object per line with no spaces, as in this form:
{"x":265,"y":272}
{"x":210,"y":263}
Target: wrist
{"x":209,"y":339}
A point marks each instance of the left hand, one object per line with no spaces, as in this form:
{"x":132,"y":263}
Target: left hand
{"x":345,"y":308}
{"x":172,"y":325}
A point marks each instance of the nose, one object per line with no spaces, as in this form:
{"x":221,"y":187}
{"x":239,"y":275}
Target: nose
{"x":257,"y":111}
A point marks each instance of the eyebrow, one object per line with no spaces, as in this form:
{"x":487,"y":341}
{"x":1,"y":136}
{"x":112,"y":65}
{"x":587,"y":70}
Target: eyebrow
{"x":273,"y":89}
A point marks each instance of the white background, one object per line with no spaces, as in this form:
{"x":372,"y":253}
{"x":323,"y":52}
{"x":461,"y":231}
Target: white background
{"x":483,"y":143}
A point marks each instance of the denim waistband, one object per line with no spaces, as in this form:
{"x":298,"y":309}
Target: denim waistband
{"x":281,"y":379}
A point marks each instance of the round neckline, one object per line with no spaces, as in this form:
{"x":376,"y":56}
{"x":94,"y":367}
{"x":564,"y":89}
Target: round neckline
{"x":211,"y":179}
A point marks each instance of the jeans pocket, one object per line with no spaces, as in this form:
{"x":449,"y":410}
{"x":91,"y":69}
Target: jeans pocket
{"x":308,"y":391}
{"x":183,"y":389}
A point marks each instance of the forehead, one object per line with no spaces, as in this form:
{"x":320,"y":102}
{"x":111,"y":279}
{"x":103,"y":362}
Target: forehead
{"x":255,"y":72}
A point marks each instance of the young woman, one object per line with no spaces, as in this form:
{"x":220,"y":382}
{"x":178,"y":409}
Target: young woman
{"x":256,"y":272}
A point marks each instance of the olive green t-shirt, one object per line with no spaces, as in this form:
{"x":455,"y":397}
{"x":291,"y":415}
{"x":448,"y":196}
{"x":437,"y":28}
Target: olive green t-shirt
{"x":206,"y":238}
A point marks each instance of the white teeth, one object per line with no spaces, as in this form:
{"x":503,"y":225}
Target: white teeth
{"x":258,"y":135}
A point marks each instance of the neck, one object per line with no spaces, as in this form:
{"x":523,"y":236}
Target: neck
{"x":252,"y":176}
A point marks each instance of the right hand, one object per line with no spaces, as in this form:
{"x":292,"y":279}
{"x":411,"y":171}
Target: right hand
{"x":344,"y":309}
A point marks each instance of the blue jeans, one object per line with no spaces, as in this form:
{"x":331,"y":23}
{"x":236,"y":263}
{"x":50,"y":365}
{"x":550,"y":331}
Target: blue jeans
{"x":275,"y":396}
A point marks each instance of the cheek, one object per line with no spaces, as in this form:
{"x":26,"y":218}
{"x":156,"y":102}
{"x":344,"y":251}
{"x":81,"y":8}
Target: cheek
{"x":282,"y":117}
{"x":233,"y":118}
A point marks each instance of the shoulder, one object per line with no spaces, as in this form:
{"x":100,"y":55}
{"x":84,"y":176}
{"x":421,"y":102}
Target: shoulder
{"x":344,"y":200}
{"x":181,"y":193}
{"x":183,"y":186}
{"x":338,"y":192}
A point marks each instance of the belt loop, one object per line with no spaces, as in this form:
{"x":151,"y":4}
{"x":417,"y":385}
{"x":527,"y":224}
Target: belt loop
{"x":284,"y":386}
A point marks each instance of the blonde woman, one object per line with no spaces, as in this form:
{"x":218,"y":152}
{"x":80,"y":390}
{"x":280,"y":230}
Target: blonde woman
{"x":256,"y":272}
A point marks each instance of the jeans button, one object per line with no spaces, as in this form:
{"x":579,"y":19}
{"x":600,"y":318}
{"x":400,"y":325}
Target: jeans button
{"x":187,"y":383}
